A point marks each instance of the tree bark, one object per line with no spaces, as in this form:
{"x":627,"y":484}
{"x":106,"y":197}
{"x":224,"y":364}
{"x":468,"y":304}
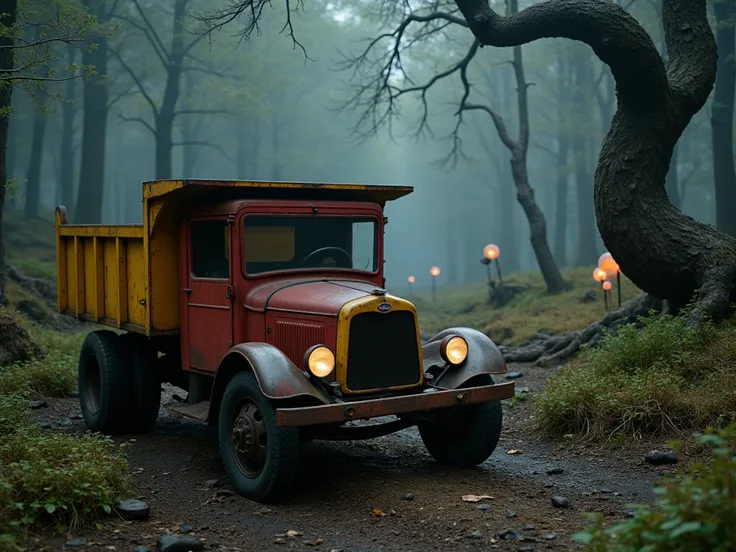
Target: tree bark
{"x":95,"y":93}
{"x":672,"y":183}
{"x":8,"y":12}
{"x":664,"y":252}
{"x":724,"y":174}
{"x":66,"y":150}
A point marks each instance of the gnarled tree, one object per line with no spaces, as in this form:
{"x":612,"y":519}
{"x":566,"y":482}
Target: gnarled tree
{"x":664,"y":252}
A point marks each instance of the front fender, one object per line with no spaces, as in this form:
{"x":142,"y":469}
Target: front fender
{"x":277,"y":376}
{"x":484,"y":357}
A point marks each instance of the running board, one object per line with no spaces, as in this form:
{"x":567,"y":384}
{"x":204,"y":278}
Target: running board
{"x":199,"y":411}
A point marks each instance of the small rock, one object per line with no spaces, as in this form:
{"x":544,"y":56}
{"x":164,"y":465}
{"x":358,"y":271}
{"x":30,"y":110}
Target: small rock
{"x":555,"y":471}
{"x":184,"y":528}
{"x":212,"y":483}
{"x":589,"y":296}
{"x":511,"y":514}
{"x":65,"y":422}
{"x":549,"y":485}
{"x":47,"y":425}
{"x":409,"y":496}
{"x":224,"y":492}
{"x":560,"y":502}
{"x":606,"y":491}
{"x":568,"y":436}
{"x":177,"y":543}
{"x":659,"y":458}
{"x":133,"y":510}
{"x":76,"y":541}
{"x":514,"y":375}
{"x":475,"y":535}
{"x":483,"y":507}
{"x":549,"y":536}
{"x":508,"y":535}
{"x":35,"y":405}
{"x":73,"y":394}
{"x":530,"y":527}
{"x":524,"y":390}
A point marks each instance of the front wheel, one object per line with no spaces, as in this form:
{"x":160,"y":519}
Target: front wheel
{"x":260,"y":458}
{"x":464,"y":436}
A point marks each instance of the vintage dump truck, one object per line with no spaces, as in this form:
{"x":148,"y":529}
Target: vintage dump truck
{"x":266,"y":302}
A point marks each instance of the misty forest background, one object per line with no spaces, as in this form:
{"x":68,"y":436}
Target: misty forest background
{"x":169,"y":102}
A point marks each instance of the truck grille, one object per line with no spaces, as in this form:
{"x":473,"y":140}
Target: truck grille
{"x":382,"y":351}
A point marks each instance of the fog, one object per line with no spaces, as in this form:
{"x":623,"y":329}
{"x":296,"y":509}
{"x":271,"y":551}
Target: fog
{"x":261,"y":110}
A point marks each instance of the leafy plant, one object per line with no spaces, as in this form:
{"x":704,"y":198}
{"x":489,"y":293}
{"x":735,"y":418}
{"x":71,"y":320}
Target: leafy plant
{"x":695,"y":513}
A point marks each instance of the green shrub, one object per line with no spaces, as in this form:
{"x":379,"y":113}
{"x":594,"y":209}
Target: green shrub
{"x":655,"y":377}
{"x":695,"y":513}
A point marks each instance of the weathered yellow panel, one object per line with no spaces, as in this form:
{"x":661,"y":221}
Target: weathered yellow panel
{"x":165,"y":286}
{"x":89,"y":276}
{"x":110,"y":276}
{"x":70,"y":301}
{"x":136,"y":277}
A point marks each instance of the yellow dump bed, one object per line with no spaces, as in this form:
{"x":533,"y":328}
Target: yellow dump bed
{"x":127,"y":276}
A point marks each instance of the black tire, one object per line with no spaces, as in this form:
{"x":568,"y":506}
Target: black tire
{"x":246,"y":412}
{"x":104,"y":382}
{"x":145,"y":384}
{"x":464,"y":436}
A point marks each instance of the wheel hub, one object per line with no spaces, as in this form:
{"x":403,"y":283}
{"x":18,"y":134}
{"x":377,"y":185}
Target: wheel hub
{"x":243,"y":435}
{"x":248,"y":437}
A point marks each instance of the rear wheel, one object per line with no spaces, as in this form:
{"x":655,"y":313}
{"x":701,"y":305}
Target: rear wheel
{"x":146,"y":384}
{"x":104,"y":382}
{"x":260,"y":458}
{"x":464,"y":436}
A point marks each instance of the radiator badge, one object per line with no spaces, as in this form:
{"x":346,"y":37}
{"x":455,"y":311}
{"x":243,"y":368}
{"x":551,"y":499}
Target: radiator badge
{"x":384,"y":307}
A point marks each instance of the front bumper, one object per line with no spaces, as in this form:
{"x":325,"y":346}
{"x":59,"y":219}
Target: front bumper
{"x":357,"y":410}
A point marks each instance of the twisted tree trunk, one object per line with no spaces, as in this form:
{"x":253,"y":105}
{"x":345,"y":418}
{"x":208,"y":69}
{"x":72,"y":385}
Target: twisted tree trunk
{"x":664,"y":252}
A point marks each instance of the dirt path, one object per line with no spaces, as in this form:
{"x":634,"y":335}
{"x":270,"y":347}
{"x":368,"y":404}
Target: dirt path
{"x":353,"y":496}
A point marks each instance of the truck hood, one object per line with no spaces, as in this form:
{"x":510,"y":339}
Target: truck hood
{"x":319,"y":296}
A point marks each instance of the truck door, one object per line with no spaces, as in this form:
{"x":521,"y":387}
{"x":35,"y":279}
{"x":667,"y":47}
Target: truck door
{"x":208,"y":294}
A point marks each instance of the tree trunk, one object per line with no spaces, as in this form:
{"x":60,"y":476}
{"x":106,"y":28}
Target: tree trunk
{"x":663,"y":251}
{"x":35,"y":163}
{"x":88,"y":207}
{"x":66,"y":150}
{"x":8,"y":12}
{"x":724,"y":175}
{"x":672,"y":183}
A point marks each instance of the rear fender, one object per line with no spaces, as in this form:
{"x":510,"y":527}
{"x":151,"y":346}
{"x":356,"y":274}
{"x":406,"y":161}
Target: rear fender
{"x":484,"y":357}
{"x":277,"y":376}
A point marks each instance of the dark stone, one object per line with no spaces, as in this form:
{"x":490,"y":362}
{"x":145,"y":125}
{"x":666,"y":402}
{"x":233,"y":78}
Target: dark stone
{"x":76,"y":542}
{"x":475,"y":535}
{"x":35,"y":405}
{"x":224,"y":492}
{"x":555,"y":471}
{"x":606,"y":491}
{"x":514,"y":375}
{"x":589,"y":296}
{"x":549,"y":536}
{"x":530,"y":527}
{"x":659,"y":458}
{"x":549,"y":485}
{"x":73,"y":394}
{"x":511,"y":514}
{"x":483,"y":507}
{"x":133,"y":510}
{"x":508,"y":535}
{"x":212,"y":483}
{"x":560,"y":502}
{"x":409,"y":496}
{"x":47,"y":425}
{"x":184,"y":528}
{"x":177,"y":543}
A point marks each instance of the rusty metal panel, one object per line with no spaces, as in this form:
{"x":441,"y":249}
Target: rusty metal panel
{"x":135,"y":276}
{"x":357,"y":410}
{"x":294,"y":337}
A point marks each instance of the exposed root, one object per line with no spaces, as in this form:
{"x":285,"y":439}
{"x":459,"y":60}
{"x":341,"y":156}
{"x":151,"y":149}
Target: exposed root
{"x":545,"y":350}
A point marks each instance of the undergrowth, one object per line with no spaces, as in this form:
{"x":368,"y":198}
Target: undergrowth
{"x":654,"y":377}
{"x":695,"y":512}
{"x":50,"y":478}
{"x":529,"y":313}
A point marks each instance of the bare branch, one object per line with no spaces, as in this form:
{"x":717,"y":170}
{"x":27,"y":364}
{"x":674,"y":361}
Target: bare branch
{"x":136,"y":80}
{"x":153,"y":37}
{"x":204,"y":112}
{"x":141,"y":121}
{"x":205,"y":144}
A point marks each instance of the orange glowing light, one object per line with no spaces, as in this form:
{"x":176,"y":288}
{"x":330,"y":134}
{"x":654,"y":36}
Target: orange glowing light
{"x":599,"y":275}
{"x":412,"y":279}
{"x":607,"y":285}
{"x":607,"y":263}
{"x":434,"y":271}
{"x":491,"y":251}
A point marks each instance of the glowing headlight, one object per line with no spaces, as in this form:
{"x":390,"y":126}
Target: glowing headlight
{"x":319,"y":361}
{"x":454,"y":349}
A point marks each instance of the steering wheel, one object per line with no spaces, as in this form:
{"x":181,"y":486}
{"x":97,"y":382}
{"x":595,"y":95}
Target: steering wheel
{"x":321,"y":252}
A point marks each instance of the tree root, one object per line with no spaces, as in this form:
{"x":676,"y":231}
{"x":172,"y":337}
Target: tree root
{"x":545,"y":350}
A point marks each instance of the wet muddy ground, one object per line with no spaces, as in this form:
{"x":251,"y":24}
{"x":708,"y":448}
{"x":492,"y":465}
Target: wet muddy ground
{"x":382,"y":494}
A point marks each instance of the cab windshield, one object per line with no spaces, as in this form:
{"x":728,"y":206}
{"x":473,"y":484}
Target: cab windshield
{"x":278,"y":243}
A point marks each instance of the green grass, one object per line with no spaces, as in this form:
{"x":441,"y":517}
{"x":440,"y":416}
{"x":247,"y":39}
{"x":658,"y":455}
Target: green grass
{"x":661,"y":378}
{"x":529,"y":313}
{"x":695,"y":512}
{"x":30,"y":241}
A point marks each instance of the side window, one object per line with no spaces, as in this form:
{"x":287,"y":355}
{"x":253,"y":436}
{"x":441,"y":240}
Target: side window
{"x":364,"y":246}
{"x":210,"y":249}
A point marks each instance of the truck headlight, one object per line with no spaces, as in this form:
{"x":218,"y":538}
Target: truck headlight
{"x":319,"y":361}
{"x":454,"y":350}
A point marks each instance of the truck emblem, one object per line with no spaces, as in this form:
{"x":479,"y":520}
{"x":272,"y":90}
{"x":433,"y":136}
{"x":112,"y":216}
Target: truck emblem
{"x":384,"y":307}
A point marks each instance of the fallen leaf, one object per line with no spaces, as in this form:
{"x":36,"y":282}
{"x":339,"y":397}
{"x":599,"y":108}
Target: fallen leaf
{"x":279,"y":540}
{"x":476,"y":498}
{"x":315,"y":542}
{"x":378,"y":512}
{"x":512,"y":451}
{"x":292,"y":533}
